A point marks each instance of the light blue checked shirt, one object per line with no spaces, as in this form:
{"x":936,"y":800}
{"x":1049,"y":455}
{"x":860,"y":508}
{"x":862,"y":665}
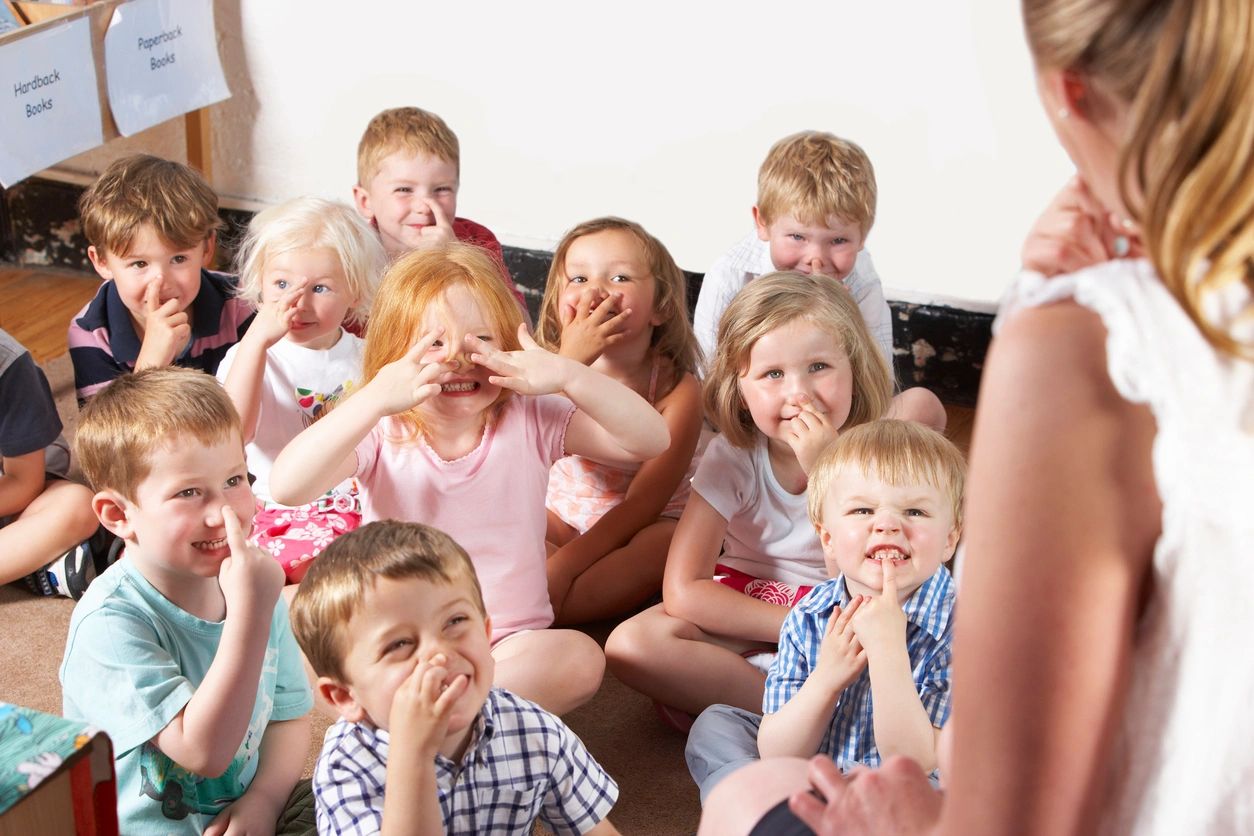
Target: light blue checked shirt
{"x":850,"y":738}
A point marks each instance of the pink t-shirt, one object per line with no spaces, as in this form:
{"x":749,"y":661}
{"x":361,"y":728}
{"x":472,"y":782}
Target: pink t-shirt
{"x":491,"y":501}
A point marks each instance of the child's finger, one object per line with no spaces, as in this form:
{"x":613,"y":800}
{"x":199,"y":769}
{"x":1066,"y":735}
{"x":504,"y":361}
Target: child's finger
{"x":450,"y":694}
{"x":234,"y":531}
{"x":890,"y":579}
{"x":831,"y":621}
{"x":437,"y":212}
{"x":152,"y":296}
{"x":424,"y":343}
{"x":524,"y":337}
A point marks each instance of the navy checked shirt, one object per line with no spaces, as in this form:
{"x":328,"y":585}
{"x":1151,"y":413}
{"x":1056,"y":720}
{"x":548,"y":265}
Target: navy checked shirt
{"x":522,"y":764}
{"x":850,"y":738}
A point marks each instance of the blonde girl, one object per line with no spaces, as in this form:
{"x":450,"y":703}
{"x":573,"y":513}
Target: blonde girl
{"x":457,"y":425}
{"x":795,"y":365}
{"x":616,"y":301}
{"x":308,"y":266}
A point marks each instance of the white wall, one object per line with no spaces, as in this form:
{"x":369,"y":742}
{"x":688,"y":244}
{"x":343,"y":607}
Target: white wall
{"x":658,"y":111}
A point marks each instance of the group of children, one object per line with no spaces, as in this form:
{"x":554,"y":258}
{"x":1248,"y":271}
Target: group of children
{"x":439,"y":490}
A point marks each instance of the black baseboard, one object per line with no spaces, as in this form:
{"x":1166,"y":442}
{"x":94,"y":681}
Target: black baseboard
{"x":936,"y":346}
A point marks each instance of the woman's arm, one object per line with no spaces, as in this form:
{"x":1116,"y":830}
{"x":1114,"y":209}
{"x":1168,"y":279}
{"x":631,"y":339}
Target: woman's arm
{"x":688,"y":591}
{"x":1062,"y":518}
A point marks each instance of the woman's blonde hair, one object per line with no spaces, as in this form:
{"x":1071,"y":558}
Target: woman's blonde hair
{"x":768,"y":303}
{"x":414,"y":287}
{"x":1186,"y":70}
{"x":305,"y":223}
{"x":673,"y":339}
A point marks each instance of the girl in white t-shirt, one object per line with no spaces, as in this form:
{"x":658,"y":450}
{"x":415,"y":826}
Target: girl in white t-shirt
{"x":795,"y":365}
{"x":457,"y":424}
{"x":309,"y":266}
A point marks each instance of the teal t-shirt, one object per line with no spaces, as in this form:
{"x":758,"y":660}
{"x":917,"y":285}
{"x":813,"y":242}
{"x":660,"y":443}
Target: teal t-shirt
{"x":132,"y":662}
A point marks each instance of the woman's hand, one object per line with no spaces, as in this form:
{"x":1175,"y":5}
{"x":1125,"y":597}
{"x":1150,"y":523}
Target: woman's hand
{"x":1075,"y":232}
{"x":530,"y":370}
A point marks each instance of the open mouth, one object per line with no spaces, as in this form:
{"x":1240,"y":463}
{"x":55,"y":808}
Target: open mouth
{"x":459,"y":387}
{"x":897,"y":556}
{"x":210,"y":545}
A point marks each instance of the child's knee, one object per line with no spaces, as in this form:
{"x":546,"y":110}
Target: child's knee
{"x":922,"y":405}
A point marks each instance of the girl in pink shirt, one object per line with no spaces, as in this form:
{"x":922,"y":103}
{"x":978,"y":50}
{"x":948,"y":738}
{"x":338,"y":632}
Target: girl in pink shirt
{"x":458,"y":422}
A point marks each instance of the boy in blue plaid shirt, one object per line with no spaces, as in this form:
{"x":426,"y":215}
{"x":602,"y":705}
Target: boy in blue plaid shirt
{"x":863,"y":665}
{"x":392,"y":620}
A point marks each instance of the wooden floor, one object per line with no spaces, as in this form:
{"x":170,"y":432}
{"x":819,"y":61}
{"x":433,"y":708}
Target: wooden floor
{"x":36,"y":307}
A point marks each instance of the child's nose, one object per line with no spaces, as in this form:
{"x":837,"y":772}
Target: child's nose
{"x":887,"y":521}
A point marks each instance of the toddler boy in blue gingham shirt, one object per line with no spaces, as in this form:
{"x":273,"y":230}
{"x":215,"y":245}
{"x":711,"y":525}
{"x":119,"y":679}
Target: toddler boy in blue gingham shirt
{"x":392,"y":620}
{"x":863,"y":665}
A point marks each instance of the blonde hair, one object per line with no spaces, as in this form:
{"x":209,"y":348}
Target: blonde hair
{"x":898,"y":453}
{"x":673,"y":339}
{"x":139,"y":413}
{"x":306,"y":223}
{"x":812,"y":176}
{"x":768,"y":303}
{"x":142,"y":189}
{"x":1186,"y":70}
{"x":337,"y":582}
{"x":409,"y":129}
{"x":413,"y":286}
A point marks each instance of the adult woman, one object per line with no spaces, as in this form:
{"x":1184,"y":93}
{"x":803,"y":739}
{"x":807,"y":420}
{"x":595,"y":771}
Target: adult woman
{"x":1101,"y":681}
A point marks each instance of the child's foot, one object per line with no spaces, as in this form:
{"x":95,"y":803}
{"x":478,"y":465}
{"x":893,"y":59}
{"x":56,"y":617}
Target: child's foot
{"x":680,"y":721}
{"x":70,"y":573}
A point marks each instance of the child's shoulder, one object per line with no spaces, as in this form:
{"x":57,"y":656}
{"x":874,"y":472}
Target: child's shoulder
{"x":472,"y":232}
{"x":750,"y":256}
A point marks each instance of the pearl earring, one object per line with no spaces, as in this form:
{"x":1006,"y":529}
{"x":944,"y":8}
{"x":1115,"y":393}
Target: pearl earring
{"x":1063,"y":113}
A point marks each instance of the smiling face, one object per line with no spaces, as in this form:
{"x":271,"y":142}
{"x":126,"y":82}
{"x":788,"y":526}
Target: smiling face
{"x":397,"y":199}
{"x":173,"y":527}
{"x":401,"y":622}
{"x":464,"y":390}
{"x":829,"y":249}
{"x":607,"y":263}
{"x":325,"y":301}
{"x":151,"y":259}
{"x":795,"y":363}
{"x":867,"y":521}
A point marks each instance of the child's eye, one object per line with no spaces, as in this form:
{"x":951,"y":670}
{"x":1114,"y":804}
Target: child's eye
{"x":236,"y":481}
{"x":321,"y":288}
{"x":840,"y":241}
{"x":861,"y":511}
{"x":818,"y":367}
{"x":139,"y":265}
{"x":796,"y":236}
{"x":444,"y":190}
{"x":620,"y":278}
{"x":281,"y":284}
{"x":402,"y":190}
{"x":578,"y":280}
{"x":915,"y":512}
{"x":438,"y":344}
{"x":487,"y":338}
{"x":774,"y":374}
{"x":457,"y":620}
{"x":179,"y":259}
{"x":395,"y":645}
{"x":188,"y":493}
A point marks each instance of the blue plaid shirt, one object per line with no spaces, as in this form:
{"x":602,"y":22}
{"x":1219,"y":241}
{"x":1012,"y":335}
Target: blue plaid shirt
{"x":850,"y":738}
{"x":522,"y":764}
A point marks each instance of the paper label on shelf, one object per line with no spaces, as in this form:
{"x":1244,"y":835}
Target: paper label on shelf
{"x":161,"y":61}
{"x":49,"y":103}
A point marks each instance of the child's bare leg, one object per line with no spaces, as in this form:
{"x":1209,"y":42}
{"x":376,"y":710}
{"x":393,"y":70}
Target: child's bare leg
{"x":679,"y":664}
{"x":559,"y":669}
{"x":55,"y":521}
{"x":616,"y":583}
{"x":557,"y":531}
{"x":741,"y":799}
{"x":921,"y":405}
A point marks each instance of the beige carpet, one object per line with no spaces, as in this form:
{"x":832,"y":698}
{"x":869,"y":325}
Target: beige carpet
{"x":656,"y":795}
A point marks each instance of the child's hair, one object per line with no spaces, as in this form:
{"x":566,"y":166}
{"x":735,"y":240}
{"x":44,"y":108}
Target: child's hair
{"x":141,"y":412}
{"x":770,"y":302}
{"x":338,"y":580}
{"x":308,"y":222}
{"x":812,"y":176}
{"x":143,"y":189}
{"x":673,"y":339}
{"x":413,"y":286}
{"x":1186,"y":167}
{"x":898,"y":453}
{"x":409,"y":129}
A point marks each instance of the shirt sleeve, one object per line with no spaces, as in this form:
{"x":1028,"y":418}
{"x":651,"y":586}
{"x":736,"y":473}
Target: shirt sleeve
{"x":95,"y":367}
{"x":551,"y":414}
{"x":293,"y":696}
{"x":932,"y":679}
{"x":724,"y":478}
{"x":792,"y":664}
{"x":580,"y":793}
{"x":118,"y":676}
{"x":28,"y":420}
{"x":718,"y":287}
{"x":868,"y":291}
{"x":224,"y":367}
{"x":348,"y":795}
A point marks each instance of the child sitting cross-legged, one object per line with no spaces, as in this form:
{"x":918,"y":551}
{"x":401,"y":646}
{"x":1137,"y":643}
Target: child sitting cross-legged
{"x":863,"y":667}
{"x":393,"y":622}
{"x":182,"y":650}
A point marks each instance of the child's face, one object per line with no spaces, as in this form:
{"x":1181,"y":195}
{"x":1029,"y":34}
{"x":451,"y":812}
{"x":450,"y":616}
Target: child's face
{"x":174,"y":526}
{"x":796,"y":363}
{"x":323,"y":304}
{"x":608,"y":263}
{"x":153,"y":260}
{"x":867,"y":521}
{"x":464,"y":389}
{"x":400,"y":623}
{"x":830,"y":248}
{"x":398,"y":198}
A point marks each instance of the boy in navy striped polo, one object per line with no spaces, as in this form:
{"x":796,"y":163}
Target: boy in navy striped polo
{"x":152,"y":225}
{"x":391,"y":618}
{"x":863,"y":665}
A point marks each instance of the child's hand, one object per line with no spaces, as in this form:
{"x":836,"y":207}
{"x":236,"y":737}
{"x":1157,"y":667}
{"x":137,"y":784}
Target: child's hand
{"x":421,"y":706}
{"x":591,"y":325}
{"x":530,"y":371}
{"x":166,"y":329}
{"x":808,"y":434}
{"x":841,"y":657}
{"x":247,"y":815}
{"x":880,"y":623}
{"x":250,"y":578}
{"x":440,"y":233}
{"x":1075,"y":232}
{"x":407,"y":382}
{"x":274,"y":319}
